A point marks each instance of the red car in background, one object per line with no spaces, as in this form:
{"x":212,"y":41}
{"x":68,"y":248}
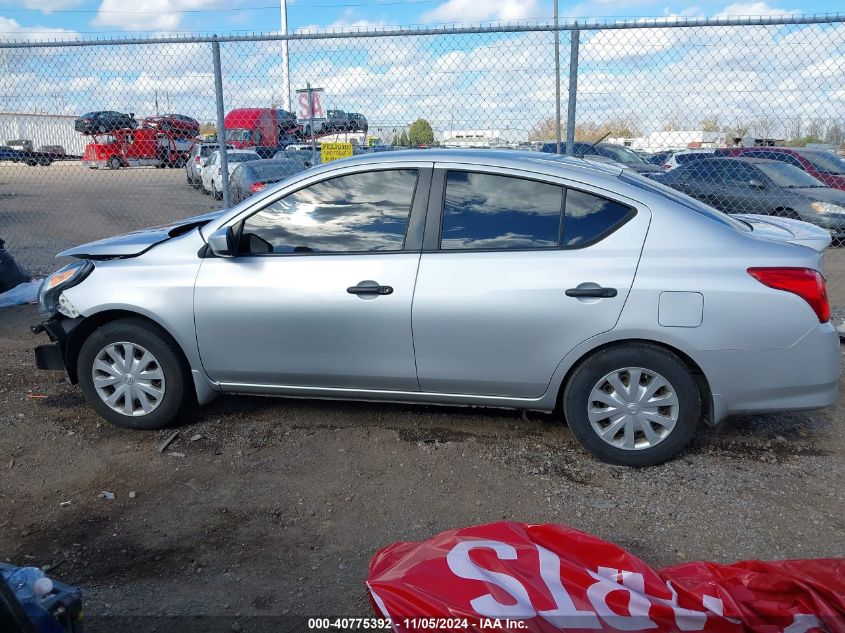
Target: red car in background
{"x":821,"y":164}
{"x":179,"y":124}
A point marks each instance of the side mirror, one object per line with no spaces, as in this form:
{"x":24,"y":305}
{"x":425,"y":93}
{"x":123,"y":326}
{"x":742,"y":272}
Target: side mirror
{"x":222,"y":242}
{"x":757,"y":184}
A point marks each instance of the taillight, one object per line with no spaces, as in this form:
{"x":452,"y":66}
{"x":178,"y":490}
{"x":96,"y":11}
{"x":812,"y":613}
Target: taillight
{"x":807,"y":283}
{"x":256,"y":187}
{"x":197,"y":160}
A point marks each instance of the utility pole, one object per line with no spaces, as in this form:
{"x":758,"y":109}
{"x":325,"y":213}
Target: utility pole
{"x":285,"y":59}
{"x":156,"y":102}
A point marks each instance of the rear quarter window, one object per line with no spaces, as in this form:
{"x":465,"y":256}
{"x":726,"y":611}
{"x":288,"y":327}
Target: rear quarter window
{"x":588,"y":218}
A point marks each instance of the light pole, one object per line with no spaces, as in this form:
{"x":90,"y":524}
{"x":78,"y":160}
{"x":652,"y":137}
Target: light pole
{"x":285,"y":59}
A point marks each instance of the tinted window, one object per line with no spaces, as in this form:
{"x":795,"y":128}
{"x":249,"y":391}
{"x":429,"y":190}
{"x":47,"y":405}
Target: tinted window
{"x":788,"y":176}
{"x":354,"y":213}
{"x":277,"y":169}
{"x":588,"y":217}
{"x":499,"y":212}
{"x":734,"y":173}
{"x":826,"y":162}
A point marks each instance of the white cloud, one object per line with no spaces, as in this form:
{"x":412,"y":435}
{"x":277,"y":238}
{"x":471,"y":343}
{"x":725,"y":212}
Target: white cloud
{"x":11,"y":30}
{"x":480,"y":10}
{"x":48,"y":6}
{"x":149,"y":15}
{"x":753,"y":9}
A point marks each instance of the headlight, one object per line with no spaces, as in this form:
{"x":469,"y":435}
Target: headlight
{"x":827,"y":207}
{"x":60,"y":280}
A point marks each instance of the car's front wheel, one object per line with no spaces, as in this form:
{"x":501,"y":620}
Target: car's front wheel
{"x":133,"y":374}
{"x":632,"y":405}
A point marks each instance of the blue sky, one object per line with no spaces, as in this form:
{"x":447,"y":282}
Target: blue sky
{"x":42,"y":18}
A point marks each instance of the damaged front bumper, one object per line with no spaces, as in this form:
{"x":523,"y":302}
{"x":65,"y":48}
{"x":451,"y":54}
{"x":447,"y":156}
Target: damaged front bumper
{"x":52,"y":355}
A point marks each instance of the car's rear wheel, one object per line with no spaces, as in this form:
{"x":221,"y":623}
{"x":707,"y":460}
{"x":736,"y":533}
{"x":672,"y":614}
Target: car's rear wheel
{"x":114,"y":163}
{"x":632,"y":405}
{"x":214,"y":192}
{"x":133,"y":374}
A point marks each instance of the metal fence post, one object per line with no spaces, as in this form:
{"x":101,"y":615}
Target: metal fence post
{"x":221,"y":130}
{"x":573,"y":90}
{"x":557,"y":82}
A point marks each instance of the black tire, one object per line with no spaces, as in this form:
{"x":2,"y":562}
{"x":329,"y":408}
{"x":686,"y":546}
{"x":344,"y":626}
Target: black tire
{"x":576,"y":400}
{"x":114,"y":163}
{"x":166,"y":352}
{"x":217,"y":195}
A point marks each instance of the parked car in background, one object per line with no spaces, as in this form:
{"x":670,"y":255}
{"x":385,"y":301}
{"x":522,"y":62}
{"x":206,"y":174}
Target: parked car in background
{"x":658,"y":158}
{"x":197,"y":159}
{"x":104,"y":121}
{"x":252,"y":177}
{"x":307,"y":157}
{"x":470,"y":277}
{"x":56,"y":151}
{"x":176,"y":123}
{"x":757,"y":185}
{"x":684,"y":156}
{"x":608,"y":151}
{"x":358,"y":122}
{"x":212,"y":173}
{"x":821,"y":164}
{"x":342,"y":121}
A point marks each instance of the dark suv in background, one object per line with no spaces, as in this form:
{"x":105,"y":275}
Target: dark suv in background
{"x":821,"y":164}
{"x":341,"y":121}
{"x":104,"y":121}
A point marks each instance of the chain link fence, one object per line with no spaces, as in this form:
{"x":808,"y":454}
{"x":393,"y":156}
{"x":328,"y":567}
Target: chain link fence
{"x":658,"y":95}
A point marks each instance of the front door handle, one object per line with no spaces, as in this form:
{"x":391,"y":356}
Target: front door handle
{"x":604,"y":293}
{"x":370,"y":288}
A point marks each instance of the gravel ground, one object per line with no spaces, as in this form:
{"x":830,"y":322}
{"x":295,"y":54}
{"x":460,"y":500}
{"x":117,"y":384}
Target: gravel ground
{"x":274,"y":507}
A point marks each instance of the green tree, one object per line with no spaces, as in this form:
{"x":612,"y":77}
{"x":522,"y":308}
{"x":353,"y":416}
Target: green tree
{"x":402,"y":139}
{"x":420,"y":133}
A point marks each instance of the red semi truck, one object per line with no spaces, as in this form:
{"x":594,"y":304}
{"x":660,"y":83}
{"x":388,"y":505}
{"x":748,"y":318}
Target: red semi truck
{"x":259,"y":127}
{"x":136,"y":148}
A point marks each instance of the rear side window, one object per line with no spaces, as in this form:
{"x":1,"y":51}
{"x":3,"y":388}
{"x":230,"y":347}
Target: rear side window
{"x":487,"y":211}
{"x":588,"y":217}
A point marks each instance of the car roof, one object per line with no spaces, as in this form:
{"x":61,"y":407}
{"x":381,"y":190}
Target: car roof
{"x":512,"y":159}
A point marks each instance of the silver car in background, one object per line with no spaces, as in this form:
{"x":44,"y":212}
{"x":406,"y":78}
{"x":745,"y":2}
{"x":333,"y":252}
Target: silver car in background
{"x":487,"y":278}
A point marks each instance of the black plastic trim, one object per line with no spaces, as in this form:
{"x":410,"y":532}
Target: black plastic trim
{"x":49,"y":356}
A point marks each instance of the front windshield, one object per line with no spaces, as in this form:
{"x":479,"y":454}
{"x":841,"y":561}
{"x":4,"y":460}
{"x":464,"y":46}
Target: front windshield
{"x":622,"y":154}
{"x":826,"y":162}
{"x":238,"y":134}
{"x":788,"y":176}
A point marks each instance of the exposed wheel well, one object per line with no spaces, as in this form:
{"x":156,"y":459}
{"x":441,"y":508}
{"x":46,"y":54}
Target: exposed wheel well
{"x":695,"y":370}
{"x":81,"y":332}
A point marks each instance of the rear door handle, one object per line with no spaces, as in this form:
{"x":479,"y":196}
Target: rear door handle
{"x":370,"y":290}
{"x":605,"y":293}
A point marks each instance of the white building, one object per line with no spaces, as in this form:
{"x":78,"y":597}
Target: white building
{"x":473,"y":138}
{"x":673,"y":140}
{"x":42,"y":129}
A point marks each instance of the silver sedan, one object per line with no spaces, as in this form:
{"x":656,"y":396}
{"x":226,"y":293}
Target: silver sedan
{"x":485,"y":278}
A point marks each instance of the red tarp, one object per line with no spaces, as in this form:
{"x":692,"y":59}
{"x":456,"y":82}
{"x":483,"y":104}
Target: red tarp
{"x":514,"y":576}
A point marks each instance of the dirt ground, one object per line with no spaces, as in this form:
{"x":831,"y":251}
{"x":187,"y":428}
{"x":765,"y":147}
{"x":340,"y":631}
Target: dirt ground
{"x":274,"y":507}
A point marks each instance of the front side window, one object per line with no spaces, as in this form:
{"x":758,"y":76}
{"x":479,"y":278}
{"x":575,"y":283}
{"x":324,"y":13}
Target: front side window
{"x":356,"y":213}
{"x":588,"y":217}
{"x":486,"y":211}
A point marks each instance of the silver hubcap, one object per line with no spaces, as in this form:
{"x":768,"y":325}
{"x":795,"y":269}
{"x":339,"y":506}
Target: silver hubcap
{"x":633,"y":408}
{"x":128,"y":378}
